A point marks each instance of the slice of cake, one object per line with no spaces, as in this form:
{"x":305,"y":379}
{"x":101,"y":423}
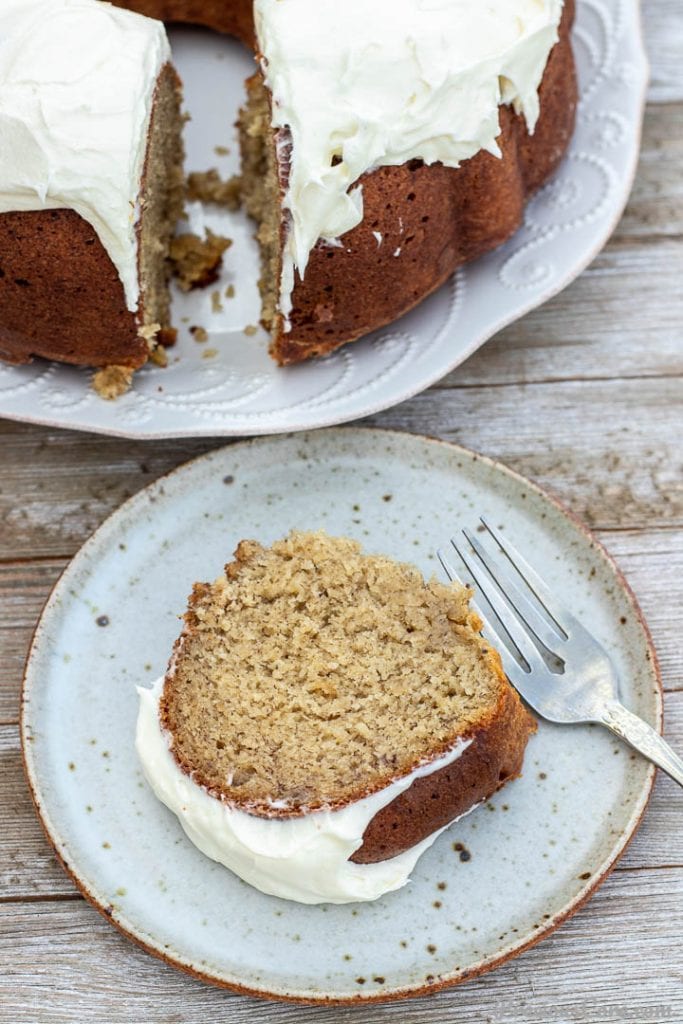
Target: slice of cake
{"x":325,"y":715}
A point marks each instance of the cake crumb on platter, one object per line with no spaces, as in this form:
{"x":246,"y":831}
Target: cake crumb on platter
{"x":196,"y":261}
{"x":158,"y":356}
{"x":209,"y":187}
{"x":112,"y":381}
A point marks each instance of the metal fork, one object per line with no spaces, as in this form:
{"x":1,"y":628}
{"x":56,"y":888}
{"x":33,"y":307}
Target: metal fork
{"x":549,"y":657}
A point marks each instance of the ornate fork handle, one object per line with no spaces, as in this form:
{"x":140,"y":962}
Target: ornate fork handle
{"x":644,"y":739}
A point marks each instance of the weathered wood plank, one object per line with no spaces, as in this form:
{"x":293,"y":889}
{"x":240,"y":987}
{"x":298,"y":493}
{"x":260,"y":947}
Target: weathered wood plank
{"x":28,"y":868}
{"x":656,"y":203}
{"x":610,"y":451}
{"x":663,"y":27}
{"x":24,"y":587}
{"x":65,"y":964}
{"x":652,"y":562}
{"x":58,"y":486}
{"x":601,"y":326}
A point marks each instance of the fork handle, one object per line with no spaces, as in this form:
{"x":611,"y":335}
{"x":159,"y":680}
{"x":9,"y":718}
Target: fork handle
{"x":644,"y":739}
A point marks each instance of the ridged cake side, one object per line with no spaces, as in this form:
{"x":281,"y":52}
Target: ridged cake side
{"x":437,"y":218}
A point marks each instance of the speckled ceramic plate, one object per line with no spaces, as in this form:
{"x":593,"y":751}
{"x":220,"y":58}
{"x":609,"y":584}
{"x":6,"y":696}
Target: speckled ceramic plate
{"x":230,"y":386}
{"x":491,"y":885}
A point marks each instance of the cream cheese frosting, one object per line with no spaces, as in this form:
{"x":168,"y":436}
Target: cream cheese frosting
{"x":359,"y":85}
{"x":304,"y":858}
{"x":77,"y":80}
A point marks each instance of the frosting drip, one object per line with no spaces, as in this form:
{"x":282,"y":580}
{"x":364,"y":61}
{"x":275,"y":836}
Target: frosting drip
{"x":359,"y":85}
{"x":77,"y":80}
{"x":304,"y":858}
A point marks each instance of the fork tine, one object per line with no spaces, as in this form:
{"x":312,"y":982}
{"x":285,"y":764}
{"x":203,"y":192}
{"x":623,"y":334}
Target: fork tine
{"x":512,"y":663}
{"x":507,"y":616}
{"x":549,"y":637}
{"x":448,"y":568}
{"x":564,"y":620}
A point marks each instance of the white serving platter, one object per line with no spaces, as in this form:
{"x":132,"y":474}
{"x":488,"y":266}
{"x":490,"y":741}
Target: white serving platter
{"x":230,"y":386}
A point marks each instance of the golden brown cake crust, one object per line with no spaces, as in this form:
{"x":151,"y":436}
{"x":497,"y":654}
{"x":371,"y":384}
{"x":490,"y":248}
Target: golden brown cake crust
{"x":493,"y":758}
{"x":449,"y":215}
{"x":60,"y":294}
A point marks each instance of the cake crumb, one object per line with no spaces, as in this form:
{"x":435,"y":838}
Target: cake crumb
{"x":221,"y":150}
{"x":216,"y":304}
{"x":209,"y":353}
{"x":196,"y":261}
{"x":199,"y":334}
{"x":157,"y":339}
{"x":112,"y":381}
{"x":149,"y":333}
{"x":250,"y":330}
{"x":209,"y":187}
{"x":167,"y":336}
{"x":230,"y":291}
{"x":158,"y":356}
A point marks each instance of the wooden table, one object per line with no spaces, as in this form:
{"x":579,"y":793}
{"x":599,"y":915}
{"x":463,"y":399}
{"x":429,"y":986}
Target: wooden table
{"x":584,"y":396}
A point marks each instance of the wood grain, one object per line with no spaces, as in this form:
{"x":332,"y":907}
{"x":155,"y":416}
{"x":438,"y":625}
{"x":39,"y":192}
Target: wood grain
{"x":592,"y":971}
{"x":24,"y":587}
{"x":613,"y":336}
{"x":652,"y":561}
{"x":655,"y":206}
{"x":663,"y":27}
{"x":610,"y":450}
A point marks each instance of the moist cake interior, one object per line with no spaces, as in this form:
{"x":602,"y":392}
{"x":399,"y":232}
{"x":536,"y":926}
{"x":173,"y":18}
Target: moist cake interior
{"x":261,"y":191}
{"x":311,"y":670}
{"x":162,"y":202}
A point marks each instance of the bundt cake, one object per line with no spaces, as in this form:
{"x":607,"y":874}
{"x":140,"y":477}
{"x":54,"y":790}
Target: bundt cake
{"x":383,"y":145}
{"x":325,"y":715}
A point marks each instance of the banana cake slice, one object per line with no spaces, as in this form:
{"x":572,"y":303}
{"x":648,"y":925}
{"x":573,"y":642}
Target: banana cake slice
{"x":325,"y":714}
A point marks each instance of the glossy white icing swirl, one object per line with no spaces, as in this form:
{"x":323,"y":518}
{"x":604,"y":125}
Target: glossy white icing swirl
{"x":77,"y":81}
{"x":304,"y":859}
{"x":365,"y":83}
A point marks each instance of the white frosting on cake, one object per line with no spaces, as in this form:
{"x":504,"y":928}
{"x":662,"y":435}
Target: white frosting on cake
{"x":77,"y":80}
{"x":377,"y":82}
{"x":304,"y":858}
